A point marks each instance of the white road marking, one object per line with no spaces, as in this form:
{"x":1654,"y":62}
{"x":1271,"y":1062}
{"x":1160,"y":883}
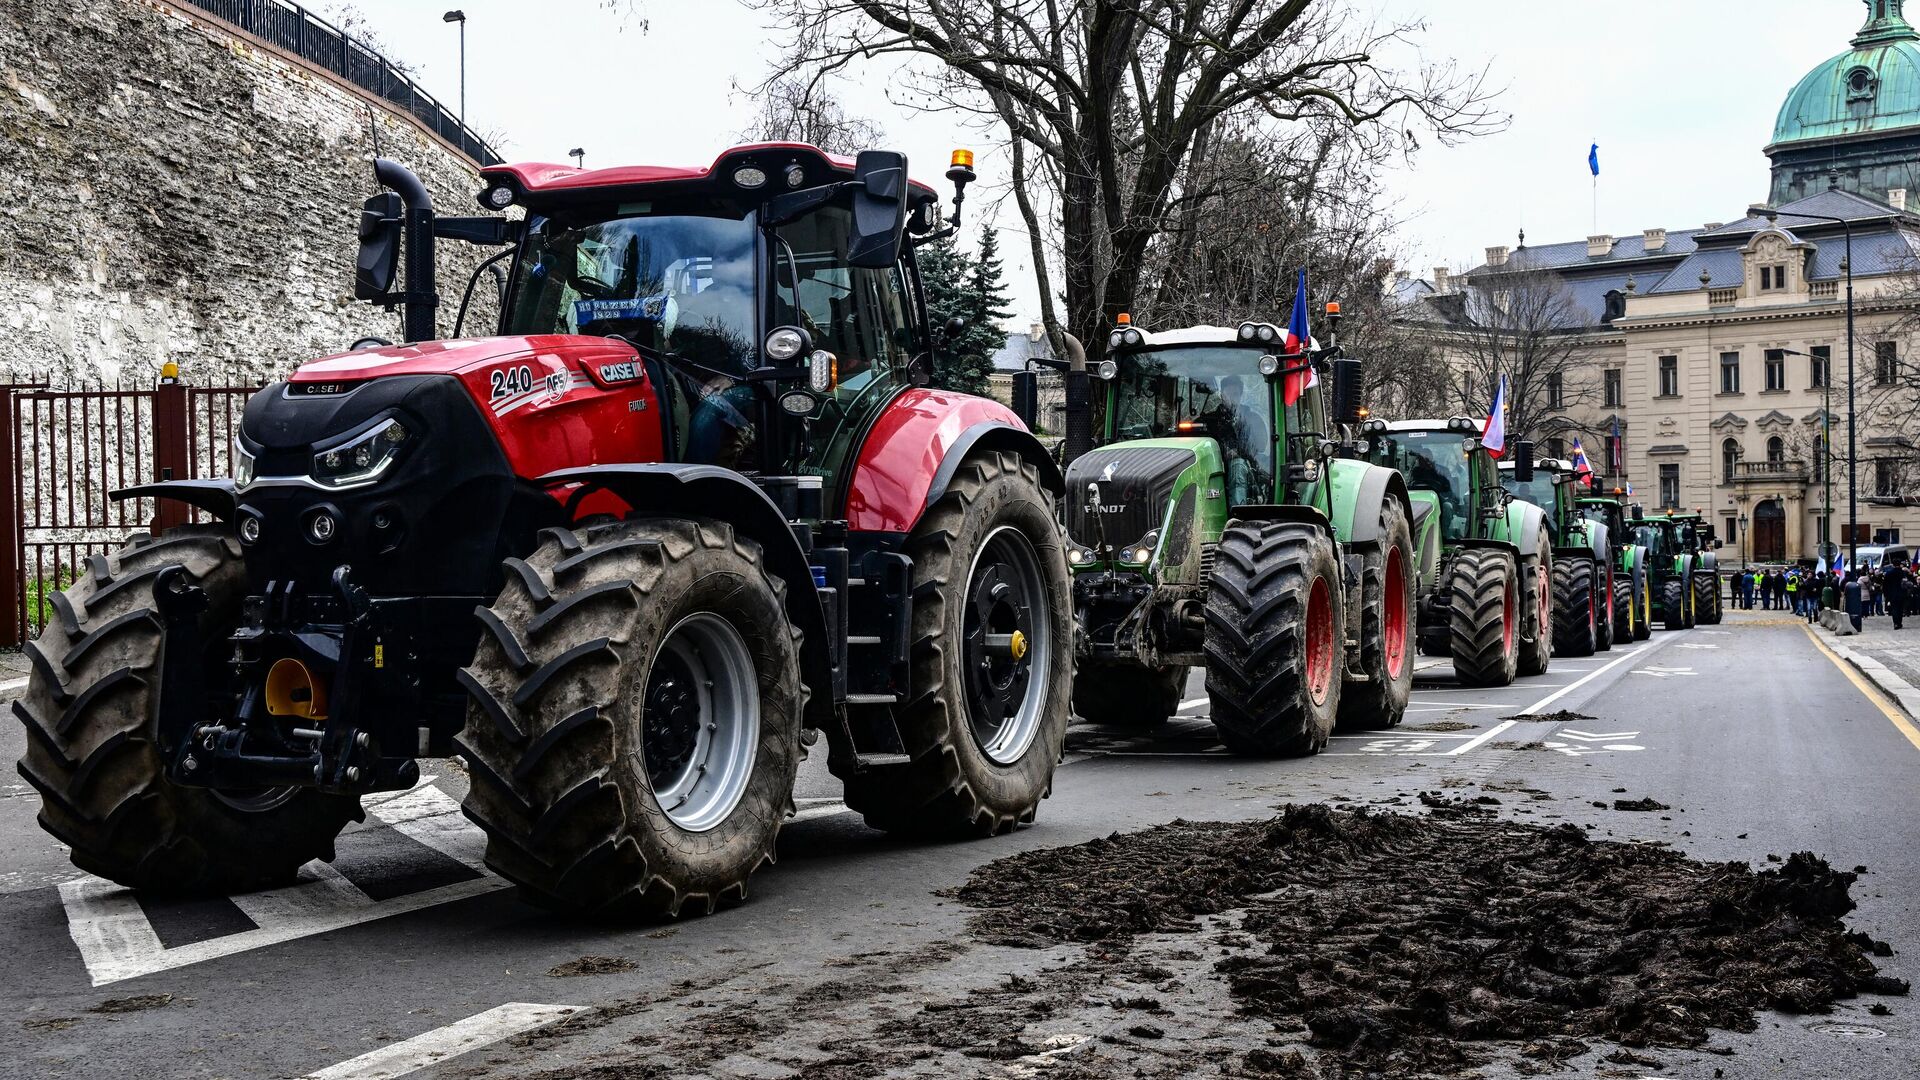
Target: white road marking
{"x":1437,"y":707}
{"x":1490,"y":689}
{"x":434,"y":1047}
{"x":1194,"y":704}
{"x":1589,"y":677}
{"x":1697,"y":645}
{"x":1664,"y":672}
{"x":116,"y":940}
{"x":1595,"y":736}
{"x":11,"y":685}
{"x":1480,"y":739}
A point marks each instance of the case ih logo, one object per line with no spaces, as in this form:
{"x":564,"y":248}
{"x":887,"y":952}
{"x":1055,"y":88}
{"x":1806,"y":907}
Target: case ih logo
{"x":619,"y":372}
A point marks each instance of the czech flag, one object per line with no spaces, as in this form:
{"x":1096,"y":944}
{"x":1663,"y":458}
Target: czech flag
{"x":1840,"y":562}
{"x":1494,"y":435}
{"x":1295,"y":383}
{"x":1582,"y":468}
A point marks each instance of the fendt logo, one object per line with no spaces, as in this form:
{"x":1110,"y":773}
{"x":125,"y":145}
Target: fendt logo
{"x":1109,"y":508}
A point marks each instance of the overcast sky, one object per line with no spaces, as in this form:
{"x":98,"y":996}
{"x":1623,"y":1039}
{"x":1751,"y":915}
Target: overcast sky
{"x":1680,"y":95}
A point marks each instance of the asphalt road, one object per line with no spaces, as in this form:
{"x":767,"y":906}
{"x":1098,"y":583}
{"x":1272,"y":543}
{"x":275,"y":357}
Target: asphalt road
{"x":405,"y":958}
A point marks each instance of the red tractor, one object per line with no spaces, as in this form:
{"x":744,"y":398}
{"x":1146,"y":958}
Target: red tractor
{"x":691,"y":508}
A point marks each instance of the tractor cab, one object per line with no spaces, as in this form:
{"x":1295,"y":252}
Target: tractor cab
{"x":1447,"y":473}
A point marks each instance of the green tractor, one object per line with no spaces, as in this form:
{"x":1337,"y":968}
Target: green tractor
{"x":1485,"y":559}
{"x":1632,"y":592}
{"x":1213,"y":526}
{"x":1584,"y":613}
{"x":1696,"y":537}
{"x":1670,"y":569}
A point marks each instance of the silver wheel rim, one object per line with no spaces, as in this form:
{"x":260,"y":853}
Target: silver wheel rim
{"x":1006,"y":740}
{"x":700,"y":762}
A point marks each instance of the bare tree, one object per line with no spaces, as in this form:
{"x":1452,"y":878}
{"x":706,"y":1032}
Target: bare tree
{"x":1111,"y":103}
{"x":798,"y":109}
{"x":1525,"y":325}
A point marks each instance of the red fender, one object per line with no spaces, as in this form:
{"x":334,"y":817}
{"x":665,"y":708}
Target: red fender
{"x":904,"y":451}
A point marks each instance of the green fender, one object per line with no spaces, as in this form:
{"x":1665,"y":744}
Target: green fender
{"x":1359,"y":489}
{"x":1521,"y":526}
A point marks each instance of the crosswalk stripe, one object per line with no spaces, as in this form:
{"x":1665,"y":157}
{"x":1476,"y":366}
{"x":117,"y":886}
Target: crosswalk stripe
{"x":432,"y":817}
{"x":436,"y":1046}
{"x":321,"y":893}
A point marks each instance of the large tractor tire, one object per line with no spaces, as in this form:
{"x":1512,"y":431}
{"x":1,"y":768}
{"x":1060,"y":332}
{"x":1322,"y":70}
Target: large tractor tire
{"x":634,"y":729}
{"x":1537,"y":612}
{"x":1574,"y":609}
{"x":91,"y":711}
{"x":1673,"y":603}
{"x":1386,"y":629}
{"x":1706,"y":598}
{"x":1127,"y":695}
{"x":1602,"y":609}
{"x":992,"y":661}
{"x":1643,"y":629}
{"x":1275,"y":628}
{"x":1626,"y":611}
{"x":1484,"y":615}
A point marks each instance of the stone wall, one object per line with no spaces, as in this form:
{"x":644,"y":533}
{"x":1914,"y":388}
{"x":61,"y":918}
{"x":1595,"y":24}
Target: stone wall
{"x":170,"y":189}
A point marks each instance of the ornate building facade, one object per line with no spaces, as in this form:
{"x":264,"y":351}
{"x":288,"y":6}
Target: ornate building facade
{"x":1714,"y":361}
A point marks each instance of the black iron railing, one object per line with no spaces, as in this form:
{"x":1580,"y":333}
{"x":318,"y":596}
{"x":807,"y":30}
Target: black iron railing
{"x":306,"y":35}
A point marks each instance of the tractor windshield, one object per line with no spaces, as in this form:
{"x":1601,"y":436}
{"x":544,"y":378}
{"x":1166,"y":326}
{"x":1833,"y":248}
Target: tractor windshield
{"x":1435,"y":461}
{"x":672,"y":283}
{"x":1538,"y":491}
{"x":1212,"y":392}
{"x":1656,"y":539}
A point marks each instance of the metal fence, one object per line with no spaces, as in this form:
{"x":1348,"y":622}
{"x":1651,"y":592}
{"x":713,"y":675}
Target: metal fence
{"x":63,"y":451}
{"x":299,"y":31}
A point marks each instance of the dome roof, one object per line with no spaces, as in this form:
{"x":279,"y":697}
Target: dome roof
{"x":1872,"y":87}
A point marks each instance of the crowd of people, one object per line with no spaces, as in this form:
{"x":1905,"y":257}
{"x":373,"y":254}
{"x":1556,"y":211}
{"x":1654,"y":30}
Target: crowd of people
{"x":1887,"y":589}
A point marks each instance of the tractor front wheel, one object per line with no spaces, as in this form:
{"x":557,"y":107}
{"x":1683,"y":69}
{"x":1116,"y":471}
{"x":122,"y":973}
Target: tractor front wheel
{"x":1673,"y":604}
{"x":91,"y":711}
{"x":1536,"y":638}
{"x":1626,"y":613}
{"x":1386,"y":628}
{"x":992,"y":661}
{"x":1602,"y":609}
{"x":634,"y":729}
{"x":1573,"y":607}
{"x":1483,"y":625}
{"x":1275,"y":628}
{"x":1127,"y":695}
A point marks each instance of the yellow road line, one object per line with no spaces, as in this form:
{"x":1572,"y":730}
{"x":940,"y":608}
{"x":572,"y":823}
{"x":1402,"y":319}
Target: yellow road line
{"x":1871,"y":692}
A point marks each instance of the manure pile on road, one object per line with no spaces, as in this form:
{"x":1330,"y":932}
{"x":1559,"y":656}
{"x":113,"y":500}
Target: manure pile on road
{"x":1401,"y":944}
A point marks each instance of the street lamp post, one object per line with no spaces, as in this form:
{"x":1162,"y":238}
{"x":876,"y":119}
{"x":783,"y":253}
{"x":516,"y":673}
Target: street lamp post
{"x":457,"y":16}
{"x":1743,"y":541}
{"x":1826,"y":451}
{"x":1853,"y":453}
{"x":579,"y":157}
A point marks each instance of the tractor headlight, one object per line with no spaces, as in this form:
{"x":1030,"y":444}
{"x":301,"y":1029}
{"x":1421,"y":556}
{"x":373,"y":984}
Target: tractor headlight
{"x":1269,"y":365}
{"x":362,"y":460}
{"x":748,"y":177}
{"x":497,"y":197}
{"x":786,"y":342}
{"x":1142,"y":553}
{"x":1268,"y":332}
{"x":1078,"y":556}
{"x":1107,"y":369}
{"x":1130,"y":336}
{"x":1310,"y":470}
{"x":243,"y":466}
{"x":1247,"y":331}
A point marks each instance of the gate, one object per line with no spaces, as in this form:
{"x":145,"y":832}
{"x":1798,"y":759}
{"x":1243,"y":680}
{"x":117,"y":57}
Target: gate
{"x":62,"y":451}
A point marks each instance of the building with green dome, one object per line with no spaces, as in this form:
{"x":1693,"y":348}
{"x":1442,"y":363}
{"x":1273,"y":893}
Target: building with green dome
{"x":1855,"y":118}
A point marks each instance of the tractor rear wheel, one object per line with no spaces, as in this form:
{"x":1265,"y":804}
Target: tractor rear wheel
{"x":1127,"y":695}
{"x":992,"y":661}
{"x":1573,"y":607}
{"x":634,"y":729}
{"x":1386,"y":628}
{"x":91,"y":708}
{"x":1275,"y":628}
{"x":1673,"y":604}
{"x":1536,"y":625}
{"x":1706,"y":598}
{"x":1483,"y":624}
{"x":1643,"y":628}
{"x":1602,"y":609}
{"x":1626,"y":615}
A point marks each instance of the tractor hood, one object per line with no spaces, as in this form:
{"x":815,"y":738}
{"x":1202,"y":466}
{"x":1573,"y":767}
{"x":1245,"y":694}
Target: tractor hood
{"x":454,"y":357}
{"x":1134,"y":481}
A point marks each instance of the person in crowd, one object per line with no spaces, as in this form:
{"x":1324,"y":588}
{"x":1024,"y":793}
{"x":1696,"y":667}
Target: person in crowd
{"x":1791,"y":583}
{"x":1853,"y":600}
{"x":1898,"y":578}
{"x":1746,"y":591}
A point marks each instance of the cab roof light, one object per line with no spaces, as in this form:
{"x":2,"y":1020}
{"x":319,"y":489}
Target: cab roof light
{"x":1123,"y":319}
{"x":1333,"y":307}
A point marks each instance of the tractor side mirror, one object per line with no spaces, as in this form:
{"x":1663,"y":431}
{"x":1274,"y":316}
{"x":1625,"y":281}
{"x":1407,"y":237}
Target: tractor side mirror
{"x":953,"y":328}
{"x":1347,"y":391}
{"x":379,"y":257}
{"x":1026,"y":397}
{"x":1523,"y":461}
{"x":879,"y":209}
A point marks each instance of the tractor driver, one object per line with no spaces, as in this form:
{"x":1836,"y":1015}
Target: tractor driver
{"x":1242,"y":433}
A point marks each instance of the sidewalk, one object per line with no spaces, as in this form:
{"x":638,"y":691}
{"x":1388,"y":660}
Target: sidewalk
{"x":1889,"y":658}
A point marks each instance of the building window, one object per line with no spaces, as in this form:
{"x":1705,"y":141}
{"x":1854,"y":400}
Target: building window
{"x":1729,"y":457}
{"x":1556,"y":447}
{"x":1729,"y":372}
{"x":1776,"y":450}
{"x":1776,"y":364}
{"x":1773,"y":278}
{"x":1615,"y":463}
{"x":1556,"y":390}
{"x":1669,"y":376}
{"x":1730,"y":525}
{"x":1886,"y":477}
{"x":1819,"y":366}
{"x":1610,"y":388}
{"x":1886,"y":363}
{"x":1670,"y":485}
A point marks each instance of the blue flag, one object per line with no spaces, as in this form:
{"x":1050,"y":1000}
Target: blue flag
{"x":1593,"y":159}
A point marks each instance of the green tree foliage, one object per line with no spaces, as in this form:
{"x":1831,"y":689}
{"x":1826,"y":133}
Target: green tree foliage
{"x":970,"y":288}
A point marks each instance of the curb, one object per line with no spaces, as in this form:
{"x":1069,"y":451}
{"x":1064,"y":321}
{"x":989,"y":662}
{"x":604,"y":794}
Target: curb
{"x":1883,"y":677}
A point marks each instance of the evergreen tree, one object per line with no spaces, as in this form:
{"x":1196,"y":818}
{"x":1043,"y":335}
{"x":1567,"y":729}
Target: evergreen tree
{"x":969,"y":288}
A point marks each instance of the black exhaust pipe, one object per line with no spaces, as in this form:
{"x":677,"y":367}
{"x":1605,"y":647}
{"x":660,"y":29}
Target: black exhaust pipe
{"x":421,"y":303}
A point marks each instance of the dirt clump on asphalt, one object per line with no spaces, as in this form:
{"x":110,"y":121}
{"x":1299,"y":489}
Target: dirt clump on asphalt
{"x":1439,"y":725}
{"x":1409,"y":945}
{"x":139,"y":1003}
{"x":592,"y":965}
{"x":1640,"y":804}
{"x":1558,"y":716}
